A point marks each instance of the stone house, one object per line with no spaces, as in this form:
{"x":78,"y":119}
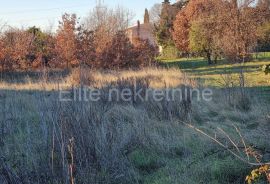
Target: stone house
{"x":142,"y":31}
{"x":145,"y":31}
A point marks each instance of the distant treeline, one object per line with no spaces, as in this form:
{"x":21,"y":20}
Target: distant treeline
{"x":100,"y":43}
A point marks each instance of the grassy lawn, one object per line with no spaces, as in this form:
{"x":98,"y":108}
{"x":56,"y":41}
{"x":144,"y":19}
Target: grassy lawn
{"x":217,"y":75}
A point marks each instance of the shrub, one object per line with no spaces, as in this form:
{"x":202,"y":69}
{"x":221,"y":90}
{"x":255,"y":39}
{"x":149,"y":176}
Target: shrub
{"x":118,"y":53}
{"x":170,"y":52}
{"x":145,"y":53}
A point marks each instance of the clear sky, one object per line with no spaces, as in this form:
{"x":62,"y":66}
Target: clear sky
{"x":43,"y":13}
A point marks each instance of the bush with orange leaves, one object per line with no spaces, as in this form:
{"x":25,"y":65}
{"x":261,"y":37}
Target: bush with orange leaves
{"x":145,"y":53}
{"x":118,"y":53}
{"x":121,"y":53}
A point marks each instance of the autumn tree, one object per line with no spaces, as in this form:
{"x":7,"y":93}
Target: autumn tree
{"x":228,"y":25}
{"x":86,"y":48}
{"x":144,"y":53}
{"x":17,"y":46}
{"x":66,"y":40}
{"x":2,"y":53}
{"x":118,"y":53}
{"x":238,"y":22}
{"x":106,"y":23}
{"x":194,"y":27}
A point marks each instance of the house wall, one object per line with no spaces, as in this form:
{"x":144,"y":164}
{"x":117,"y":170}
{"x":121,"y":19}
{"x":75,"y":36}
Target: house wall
{"x":145,"y":33}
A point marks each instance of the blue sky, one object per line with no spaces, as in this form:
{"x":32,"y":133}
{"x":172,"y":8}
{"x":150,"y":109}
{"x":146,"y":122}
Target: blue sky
{"x":25,"y":13}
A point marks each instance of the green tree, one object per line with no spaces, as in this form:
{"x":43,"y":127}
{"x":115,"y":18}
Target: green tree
{"x":41,"y":50}
{"x":163,"y":30}
{"x":39,"y":39}
{"x":264,"y":38}
{"x":146,"y":17}
{"x":201,"y":40}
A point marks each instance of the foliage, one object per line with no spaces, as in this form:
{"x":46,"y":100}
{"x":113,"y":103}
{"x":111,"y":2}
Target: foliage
{"x":118,"y":53}
{"x":17,"y":46}
{"x":229,"y":25}
{"x":170,"y":52}
{"x":164,"y":28}
{"x":86,"y":51}
{"x":258,"y":173}
{"x":145,"y":53}
{"x":102,"y":44}
{"x":66,"y":41}
{"x":264,"y":38}
{"x":42,"y":47}
{"x":106,"y":22}
{"x":194,"y":28}
{"x":238,"y":37}
{"x":39,"y":39}
{"x":201,"y":41}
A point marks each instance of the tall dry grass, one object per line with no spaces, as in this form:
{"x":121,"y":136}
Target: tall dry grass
{"x":158,"y":78}
{"x":36,"y":129}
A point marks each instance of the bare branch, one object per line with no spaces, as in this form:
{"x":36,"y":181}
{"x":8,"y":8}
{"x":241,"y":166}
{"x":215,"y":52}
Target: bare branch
{"x":224,"y":146}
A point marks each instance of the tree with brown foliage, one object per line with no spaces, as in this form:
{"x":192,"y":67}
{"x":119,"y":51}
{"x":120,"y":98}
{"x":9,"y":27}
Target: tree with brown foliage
{"x":17,"y":46}
{"x":2,"y":54}
{"x":144,"y":53}
{"x":66,"y":41}
{"x":195,"y":10}
{"x":238,"y":22}
{"x":230,"y":25}
{"x":118,"y":53}
{"x":86,"y":48}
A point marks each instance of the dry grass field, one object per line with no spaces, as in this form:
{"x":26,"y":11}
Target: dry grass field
{"x":124,"y":142}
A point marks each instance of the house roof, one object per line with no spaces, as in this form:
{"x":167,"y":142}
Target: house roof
{"x":142,"y":26}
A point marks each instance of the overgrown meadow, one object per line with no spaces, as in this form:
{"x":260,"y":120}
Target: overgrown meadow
{"x":125,"y":141}
{"x":182,"y":98}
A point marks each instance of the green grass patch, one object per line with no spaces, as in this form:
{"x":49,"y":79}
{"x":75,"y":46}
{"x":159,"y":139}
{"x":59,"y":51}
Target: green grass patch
{"x":217,"y":75}
{"x":146,"y":161}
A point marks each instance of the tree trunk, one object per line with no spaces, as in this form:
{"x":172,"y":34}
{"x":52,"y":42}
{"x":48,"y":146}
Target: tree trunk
{"x":209,"y":60}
